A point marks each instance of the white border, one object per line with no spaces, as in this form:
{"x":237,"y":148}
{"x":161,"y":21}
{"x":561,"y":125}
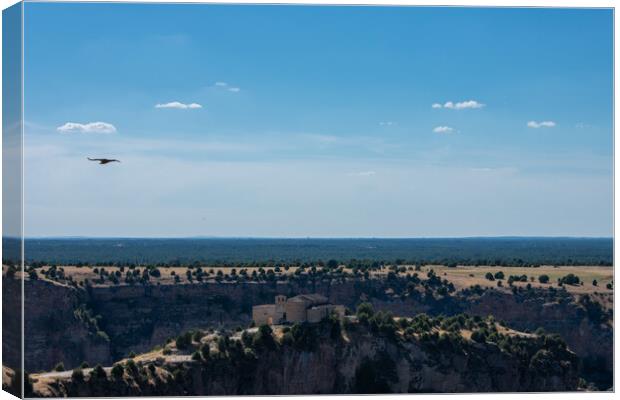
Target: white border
{"x":476,"y":3}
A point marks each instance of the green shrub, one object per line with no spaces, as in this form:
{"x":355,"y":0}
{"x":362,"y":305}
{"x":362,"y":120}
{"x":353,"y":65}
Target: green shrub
{"x":184,"y":340}
{"x":117,"y":371}
{"x":263,"y":338}
{"x":197,"y":336}
{"x":132,"y":368}
{"x":98,"y":373}
{"x":479,"y":336}
{"x":570,"y":279}
{"x":77,"y":375}
{"x":365,"y":311}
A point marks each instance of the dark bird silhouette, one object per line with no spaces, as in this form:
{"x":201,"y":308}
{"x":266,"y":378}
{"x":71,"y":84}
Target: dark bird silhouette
{"x":103,"y":160}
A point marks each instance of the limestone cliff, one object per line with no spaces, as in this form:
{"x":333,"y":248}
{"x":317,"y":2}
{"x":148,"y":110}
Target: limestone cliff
{"x":55,"y":328}
{"x":358,"y":359}
{"x":70,"y":325}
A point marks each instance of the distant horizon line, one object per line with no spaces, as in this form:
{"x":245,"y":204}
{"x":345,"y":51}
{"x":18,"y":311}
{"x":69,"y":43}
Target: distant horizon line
{"x":303,"y":237}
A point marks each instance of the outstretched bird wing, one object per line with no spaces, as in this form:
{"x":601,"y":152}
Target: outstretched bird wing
{"x":103,"y":160}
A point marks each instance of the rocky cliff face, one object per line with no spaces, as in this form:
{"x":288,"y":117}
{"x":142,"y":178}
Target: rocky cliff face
{"x":585,"y":333}
{"x":136,"y":318}
{"x":53,"y":331}
{"x":360,"y":361}
{"x":11,"y":322}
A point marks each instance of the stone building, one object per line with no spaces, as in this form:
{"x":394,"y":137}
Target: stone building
{"x":302,"y":308}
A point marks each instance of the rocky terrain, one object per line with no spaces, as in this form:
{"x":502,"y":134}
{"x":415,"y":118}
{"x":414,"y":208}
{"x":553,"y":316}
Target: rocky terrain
{"x":375,"y":355}
{"x":102,"y":324}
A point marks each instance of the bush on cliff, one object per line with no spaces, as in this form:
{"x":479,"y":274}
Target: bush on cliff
{"x":132,"y":368}
{"x":304,"y":336}
{"x":98,"y":374}
{"x":595,"y":311}
{"x":263,"y":338}
{"x":333,"y":323}
{"x":246,"y":339}
{"x":117,"y":371}
{"x":383,"y":323}
{"x":365,"y":311}
{"x":77,"y":375}
{"x":479,"y":336}
{"x":184,"y":341}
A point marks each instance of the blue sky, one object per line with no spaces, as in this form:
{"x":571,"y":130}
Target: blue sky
{"x":317,"y":121}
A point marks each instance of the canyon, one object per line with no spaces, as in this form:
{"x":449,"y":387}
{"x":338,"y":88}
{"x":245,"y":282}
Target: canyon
{"x":102,"y":324}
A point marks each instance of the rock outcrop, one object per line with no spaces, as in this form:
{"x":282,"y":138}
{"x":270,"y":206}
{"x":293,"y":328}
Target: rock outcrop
{"x":103,"y":324}
{"x":53,"y":329}
{"x":359,"y":361}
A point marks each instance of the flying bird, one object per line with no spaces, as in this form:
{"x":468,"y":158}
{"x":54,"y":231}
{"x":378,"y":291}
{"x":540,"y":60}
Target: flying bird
{"x":103,"y":160}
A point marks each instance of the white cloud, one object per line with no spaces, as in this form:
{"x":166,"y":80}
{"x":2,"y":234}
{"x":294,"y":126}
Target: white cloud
{"x":443,"y":129}
{"x":178,"y":105}
{"x":459,"y":105}
{"x":541,"y":124}
{"x":91,"y":127}
{"x":226,"y":86}
{"x":387,"y":123}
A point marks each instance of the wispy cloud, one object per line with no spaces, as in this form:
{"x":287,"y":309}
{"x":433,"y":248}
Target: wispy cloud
{"x":226,"y":86}
{"x":462,"y":105}
{"x":387,"y":123}
{"x":583,"y":125}
{"x":90,"y":127}
{"x":320,"y":138}
{"x":443,"y":129}
{"x":541,"y":124}
{"x":178,"y":105}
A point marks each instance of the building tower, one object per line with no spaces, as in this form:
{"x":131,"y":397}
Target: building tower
{"x":280,"y":312}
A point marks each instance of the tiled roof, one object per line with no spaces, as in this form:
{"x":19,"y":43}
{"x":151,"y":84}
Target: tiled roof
{"x":314,"y":298}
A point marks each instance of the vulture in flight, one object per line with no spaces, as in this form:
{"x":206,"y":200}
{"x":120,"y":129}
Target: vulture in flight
{"x":103,"y":160}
